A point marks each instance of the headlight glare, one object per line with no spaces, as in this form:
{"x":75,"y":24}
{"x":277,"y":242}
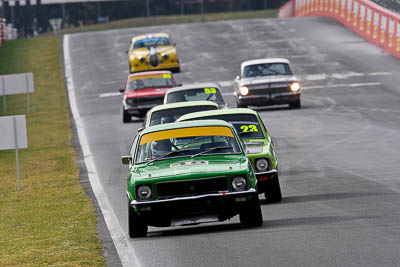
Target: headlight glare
{"x":262,"y":164}
{"x":143,"y":192}
{"x":244,"y":90}
{"x":295,"y":87}
{"x":239,"y":183}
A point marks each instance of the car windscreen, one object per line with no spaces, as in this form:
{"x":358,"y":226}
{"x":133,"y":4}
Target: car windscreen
{"x":172,"y":114}
{"x":198,"y":94}
{"x":155,"y":82}
{"x":184,"y":142}
{"x":266,"y":69}
{"x":246,"y":125}
{"x":151,"y":42}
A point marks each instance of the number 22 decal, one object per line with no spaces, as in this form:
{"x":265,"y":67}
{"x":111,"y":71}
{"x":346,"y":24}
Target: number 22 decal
{"x":249,"y":128}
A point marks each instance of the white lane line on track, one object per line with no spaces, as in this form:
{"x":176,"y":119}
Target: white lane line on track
{"x":110,"y":94}
{"x":124,"y":248}
{"x":341,"y":85}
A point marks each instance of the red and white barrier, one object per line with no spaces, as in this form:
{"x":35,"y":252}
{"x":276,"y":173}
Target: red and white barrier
{"x":371,"y":21}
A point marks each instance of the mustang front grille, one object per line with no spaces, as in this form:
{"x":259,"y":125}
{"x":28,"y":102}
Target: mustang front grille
{"x":191,"y":187}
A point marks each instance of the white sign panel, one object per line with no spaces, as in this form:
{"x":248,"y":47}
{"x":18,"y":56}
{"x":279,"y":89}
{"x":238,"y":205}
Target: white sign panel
{"x":8,"y":134}
{"x":14,"y":84}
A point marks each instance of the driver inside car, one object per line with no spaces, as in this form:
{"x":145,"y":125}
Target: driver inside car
{"x":160,"y":148}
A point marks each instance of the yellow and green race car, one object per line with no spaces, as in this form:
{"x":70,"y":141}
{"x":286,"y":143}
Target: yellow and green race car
{"x":153,"y":52}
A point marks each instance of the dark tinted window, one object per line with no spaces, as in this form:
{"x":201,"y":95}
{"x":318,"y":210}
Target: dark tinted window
{"x":266,"y":70}
{"x":171,"y":115}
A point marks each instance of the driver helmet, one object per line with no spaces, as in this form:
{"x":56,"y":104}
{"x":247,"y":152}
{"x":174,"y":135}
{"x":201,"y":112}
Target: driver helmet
{"x":160,"y":147}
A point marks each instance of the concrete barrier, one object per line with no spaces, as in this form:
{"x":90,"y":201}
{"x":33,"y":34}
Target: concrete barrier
{"x":378,"y":25}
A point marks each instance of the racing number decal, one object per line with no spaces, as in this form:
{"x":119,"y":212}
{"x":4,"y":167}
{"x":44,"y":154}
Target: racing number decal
{"x":167,"y":76}
{"x":249,"y":128}
{"x":210,"y":90}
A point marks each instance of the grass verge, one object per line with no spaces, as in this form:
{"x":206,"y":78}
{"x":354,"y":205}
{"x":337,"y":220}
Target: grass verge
{"x":177,"y":19}
{"x":50,"y":221}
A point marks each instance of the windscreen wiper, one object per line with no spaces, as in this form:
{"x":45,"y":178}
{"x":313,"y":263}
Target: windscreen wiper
{"x":212,"y":149}
{"x":168,"y":154}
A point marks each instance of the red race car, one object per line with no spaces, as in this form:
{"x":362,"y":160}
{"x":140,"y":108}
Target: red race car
{"x":143,"y":91}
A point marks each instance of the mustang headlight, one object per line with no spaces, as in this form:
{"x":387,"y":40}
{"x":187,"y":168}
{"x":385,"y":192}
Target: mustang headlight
{"x":143,"y":192}
{"x":262,"y":164}
{"x":239,"y":183}
{"x":295,"y":87}
{"x":244,"y":90}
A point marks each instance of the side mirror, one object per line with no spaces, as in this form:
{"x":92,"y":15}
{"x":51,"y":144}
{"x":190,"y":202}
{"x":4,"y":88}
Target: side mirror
{"x":127,"y":51}
{"x":121,"y":90}
{"x":179,"y":84}
{"x":174,"y":44}
{"x":140,"y":129}
{"x":126,"y":160}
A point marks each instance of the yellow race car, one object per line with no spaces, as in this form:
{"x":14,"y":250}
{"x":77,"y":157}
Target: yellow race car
{"x":153,"y":52}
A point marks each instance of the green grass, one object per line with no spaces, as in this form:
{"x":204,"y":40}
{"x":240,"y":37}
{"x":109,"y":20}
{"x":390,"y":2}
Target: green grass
{"x":50,"y":221}
{"x":177,"y":19}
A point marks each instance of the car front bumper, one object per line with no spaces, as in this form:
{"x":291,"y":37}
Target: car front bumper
{"x":264,"y":178}
{"x":148,"y":67}
{"x":268,"y":99}
{"x":223,"y":205}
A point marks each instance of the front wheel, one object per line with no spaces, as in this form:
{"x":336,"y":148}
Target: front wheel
{"x":137,"y":228}
{"x":295,"y":104}
{"x":273,"y":192}
{"x":126,"y":117}
{"x":240,"y":105}
{"x":251,"y":215}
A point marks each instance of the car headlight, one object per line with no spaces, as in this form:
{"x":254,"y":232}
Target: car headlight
{"x":165,"y":56}
{"x":141,"y":59}
{"x":143,"y":192}
{"x":239,"y":183}
{"x":295,"y":87}
{"x":130,"y":101}
{"x":262,"y":164}
{"x":244,"y":90}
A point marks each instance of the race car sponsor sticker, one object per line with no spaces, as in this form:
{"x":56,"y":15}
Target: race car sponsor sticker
{"x":210,"y":90}
{"x":167,"y":76}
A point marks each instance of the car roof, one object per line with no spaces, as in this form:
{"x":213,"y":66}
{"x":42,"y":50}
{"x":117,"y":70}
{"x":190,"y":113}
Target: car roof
{"x":148,"y":36}
{"x":149,"y":73}
{"x":207,"y":113}
{"x":186,"y":124}
{"x":264,"y":60}
{"x":182,"y":105}
{"x":193,"y":86}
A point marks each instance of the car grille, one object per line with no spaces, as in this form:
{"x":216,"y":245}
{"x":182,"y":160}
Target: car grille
{"x":155,"y":100}
{"x":191,"y":187}
{"x":270,"y":88}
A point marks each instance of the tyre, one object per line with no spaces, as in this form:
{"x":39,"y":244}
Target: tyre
{"x":273,"y":192}
{"x":126,"y":117}
{"x":295,"y":104}
{"x":176,"y":70}
{"x":251,"y":215}
{"x":240,"y":105}
{"x":137,"y":228}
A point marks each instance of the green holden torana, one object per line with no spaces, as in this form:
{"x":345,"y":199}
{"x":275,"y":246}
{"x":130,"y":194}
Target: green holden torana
{"x":258,"y":143}
{"x":188,"y":173}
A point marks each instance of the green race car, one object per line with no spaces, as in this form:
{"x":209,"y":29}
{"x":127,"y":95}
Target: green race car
{"x":188,"y":173}
{"x":258,"y":142}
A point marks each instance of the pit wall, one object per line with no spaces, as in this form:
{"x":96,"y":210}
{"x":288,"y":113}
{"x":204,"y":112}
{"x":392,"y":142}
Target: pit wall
{"x":378,"y":25}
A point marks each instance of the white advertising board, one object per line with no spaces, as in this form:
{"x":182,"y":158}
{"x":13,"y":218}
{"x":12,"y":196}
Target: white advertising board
{"x":8,"y":134}
{"x":14,"y":84}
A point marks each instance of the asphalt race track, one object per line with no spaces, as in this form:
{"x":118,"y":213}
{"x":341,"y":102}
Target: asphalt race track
{"x":338,"y":155}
